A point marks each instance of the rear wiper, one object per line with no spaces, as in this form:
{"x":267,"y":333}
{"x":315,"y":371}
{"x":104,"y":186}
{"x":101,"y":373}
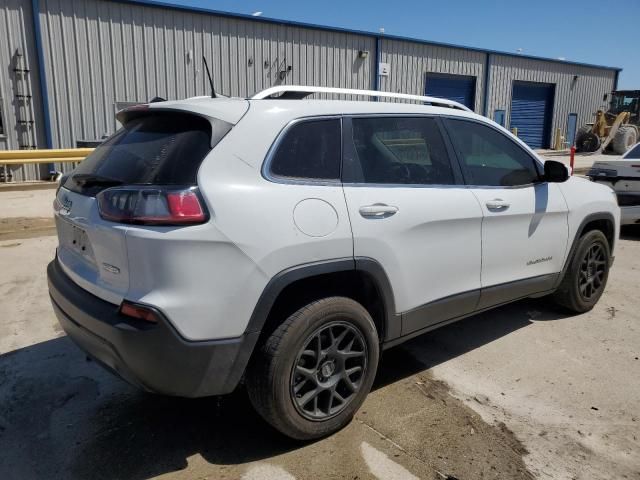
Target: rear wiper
{"x":90,"y":180}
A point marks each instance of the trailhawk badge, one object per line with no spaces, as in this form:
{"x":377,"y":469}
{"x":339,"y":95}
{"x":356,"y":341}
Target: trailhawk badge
{"x":111,"y":268}
{"x":539,"y":260}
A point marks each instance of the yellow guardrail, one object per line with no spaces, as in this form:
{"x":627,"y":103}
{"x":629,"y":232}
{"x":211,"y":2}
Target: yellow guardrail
{"x":53,"y":155}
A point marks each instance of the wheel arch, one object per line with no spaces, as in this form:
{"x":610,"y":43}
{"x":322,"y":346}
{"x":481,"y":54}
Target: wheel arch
{"x":360,"y":278}
{"x":603,"y":221}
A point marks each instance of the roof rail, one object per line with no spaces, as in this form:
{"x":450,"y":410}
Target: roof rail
{"x":297,"y":92}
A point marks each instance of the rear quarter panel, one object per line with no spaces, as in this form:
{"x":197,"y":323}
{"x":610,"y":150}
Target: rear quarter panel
{"x":256,"y":234}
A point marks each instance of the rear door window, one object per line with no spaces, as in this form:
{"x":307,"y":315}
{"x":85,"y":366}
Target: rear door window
{"x":163,"y":148}
{"x":309,"y":150}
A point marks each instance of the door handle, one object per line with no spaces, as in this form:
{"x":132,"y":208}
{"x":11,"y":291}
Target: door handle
{"x":378,"y":210}
{"x":497,"y":204}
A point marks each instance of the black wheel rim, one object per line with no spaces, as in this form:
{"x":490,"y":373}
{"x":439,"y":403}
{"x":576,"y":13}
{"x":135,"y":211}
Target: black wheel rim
{"x":329,"y":371}
{"x":592,"y":272}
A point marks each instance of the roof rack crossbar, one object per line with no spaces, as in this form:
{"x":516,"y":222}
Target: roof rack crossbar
{"x":296,"y":92}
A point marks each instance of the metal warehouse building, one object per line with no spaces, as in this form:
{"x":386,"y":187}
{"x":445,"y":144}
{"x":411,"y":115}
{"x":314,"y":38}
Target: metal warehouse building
{"x":66,"y":66}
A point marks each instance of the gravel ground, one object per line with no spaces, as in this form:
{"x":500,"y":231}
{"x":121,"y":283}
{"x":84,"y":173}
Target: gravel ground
{"x":523,"y":391}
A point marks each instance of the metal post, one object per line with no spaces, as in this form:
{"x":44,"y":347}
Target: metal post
{"x":377,"y":66}
{"x":42,"y":74}
{"x":487,"y":85}
{"x":572,"y":157}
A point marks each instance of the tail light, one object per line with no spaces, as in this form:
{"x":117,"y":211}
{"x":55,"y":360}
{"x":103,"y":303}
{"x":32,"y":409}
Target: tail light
{"x":152,"y":205}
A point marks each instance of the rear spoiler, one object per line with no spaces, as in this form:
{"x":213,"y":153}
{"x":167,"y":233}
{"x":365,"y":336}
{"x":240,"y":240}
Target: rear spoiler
{"x":219,"y":128}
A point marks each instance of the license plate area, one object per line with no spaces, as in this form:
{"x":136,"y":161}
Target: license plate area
{"x":75,"y":238}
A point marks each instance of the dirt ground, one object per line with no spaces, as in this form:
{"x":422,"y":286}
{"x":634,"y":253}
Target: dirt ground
{"x":520,"y":392}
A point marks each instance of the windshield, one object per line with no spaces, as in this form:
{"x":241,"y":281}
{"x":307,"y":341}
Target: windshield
{"x":624,"y":103}
{"x":161,"y":148}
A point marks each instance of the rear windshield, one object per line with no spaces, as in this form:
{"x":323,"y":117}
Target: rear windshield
{"x":634,"y":153}
{"x":163,"y":148}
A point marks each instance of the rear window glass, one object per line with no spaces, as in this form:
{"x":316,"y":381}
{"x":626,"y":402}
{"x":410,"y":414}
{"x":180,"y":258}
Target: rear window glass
{"x":309,"y":150}
{"x":164,"y":148}
{"x":634,"y":153}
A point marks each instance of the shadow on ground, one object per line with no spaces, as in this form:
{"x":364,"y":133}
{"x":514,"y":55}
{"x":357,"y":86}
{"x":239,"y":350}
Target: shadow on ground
{"x":64,"y":417}
{"x":443,"y":344}
{"x":630,"y":232}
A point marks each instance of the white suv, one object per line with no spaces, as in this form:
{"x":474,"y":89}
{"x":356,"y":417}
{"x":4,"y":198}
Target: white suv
{"x":287,"y":241}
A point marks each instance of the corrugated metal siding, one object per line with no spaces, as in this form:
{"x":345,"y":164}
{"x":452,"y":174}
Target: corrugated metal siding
{"x":100,"y":52}
{"x":410,"y":62}
{"x":582,"y":96}
{"x":16,"y":32}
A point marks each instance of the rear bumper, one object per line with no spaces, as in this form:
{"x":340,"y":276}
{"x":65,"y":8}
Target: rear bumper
{"x":152,"y":356}
{"x":630,"y":215}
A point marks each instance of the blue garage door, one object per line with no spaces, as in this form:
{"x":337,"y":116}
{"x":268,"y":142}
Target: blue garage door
{"x":459,"y":88}
{"x":532,"y":112}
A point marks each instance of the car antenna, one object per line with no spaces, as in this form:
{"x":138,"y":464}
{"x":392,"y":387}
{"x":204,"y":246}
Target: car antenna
{"x":213,"y":90}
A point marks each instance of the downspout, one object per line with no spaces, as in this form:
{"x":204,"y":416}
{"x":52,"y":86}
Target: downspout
{"x":615,"y":80}
{"x":487,"y":85}
{"x":44,"y":94}
{"x":377,"y":65}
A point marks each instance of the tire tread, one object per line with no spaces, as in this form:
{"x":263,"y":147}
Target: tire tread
{"x":566,"y":294}
{"x":261,"y":374}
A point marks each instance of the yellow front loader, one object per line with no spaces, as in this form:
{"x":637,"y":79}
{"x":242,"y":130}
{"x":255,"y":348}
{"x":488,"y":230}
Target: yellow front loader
{"x":617,"y":129}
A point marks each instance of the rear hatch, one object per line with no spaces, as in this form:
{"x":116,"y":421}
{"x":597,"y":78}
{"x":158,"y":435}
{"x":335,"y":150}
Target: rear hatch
{"x":145,"y":174}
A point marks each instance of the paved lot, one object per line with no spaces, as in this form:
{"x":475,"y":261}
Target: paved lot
{"x":520,"y":392}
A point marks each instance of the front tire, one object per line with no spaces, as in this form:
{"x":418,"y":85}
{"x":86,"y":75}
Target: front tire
{"x":587,"y":274}
{"x":315,"y":370}
{"x":624,"y":139}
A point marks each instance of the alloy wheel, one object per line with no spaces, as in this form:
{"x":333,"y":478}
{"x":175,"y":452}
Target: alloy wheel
{"x":592,"y":272}
{"x":329,"y":371}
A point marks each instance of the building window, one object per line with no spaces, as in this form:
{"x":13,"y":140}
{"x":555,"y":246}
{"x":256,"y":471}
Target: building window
{"x":499,"y":117}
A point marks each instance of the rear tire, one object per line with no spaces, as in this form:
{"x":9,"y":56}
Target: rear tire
{"x":314,"y":371}
{"x":624,"y":139}
{"x":587,"y":274}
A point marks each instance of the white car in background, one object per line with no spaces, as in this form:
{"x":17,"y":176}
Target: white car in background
{"x":623,"y":176}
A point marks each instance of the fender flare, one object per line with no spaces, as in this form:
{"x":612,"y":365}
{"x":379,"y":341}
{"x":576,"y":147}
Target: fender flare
{"x":574,"y":245}
{"x":365,"y":265}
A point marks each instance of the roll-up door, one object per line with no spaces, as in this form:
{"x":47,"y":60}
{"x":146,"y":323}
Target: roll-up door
{"x":532,"y":112}
{"x":459,"y":88}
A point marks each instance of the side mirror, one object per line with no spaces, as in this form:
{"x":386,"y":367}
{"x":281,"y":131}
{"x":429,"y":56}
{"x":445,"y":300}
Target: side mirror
{"x":555,"y":172}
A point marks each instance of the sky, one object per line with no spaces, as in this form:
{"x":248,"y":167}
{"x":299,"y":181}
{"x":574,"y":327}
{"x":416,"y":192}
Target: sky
{"x":600,"y":32}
